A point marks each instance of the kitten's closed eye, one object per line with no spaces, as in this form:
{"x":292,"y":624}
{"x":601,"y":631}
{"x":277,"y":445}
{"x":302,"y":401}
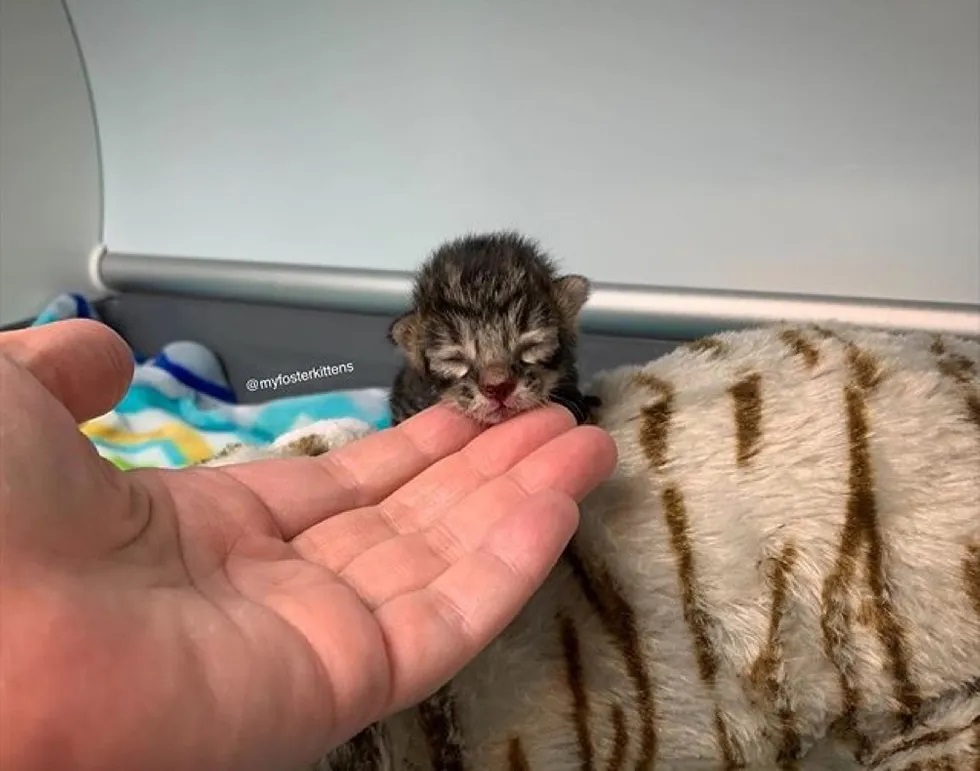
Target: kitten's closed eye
{"x":536,"y":347}
{"x":536,"y":354}
{"x":450,"y":364}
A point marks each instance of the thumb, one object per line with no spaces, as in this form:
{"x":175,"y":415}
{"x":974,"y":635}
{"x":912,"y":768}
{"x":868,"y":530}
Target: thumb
{"x":82,"y":363}
{"x":56,"y":492}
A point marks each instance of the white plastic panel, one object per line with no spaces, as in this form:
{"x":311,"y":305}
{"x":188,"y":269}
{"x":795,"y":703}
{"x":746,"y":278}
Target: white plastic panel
{"x":826,"y":147}
{"x":50,"y":200}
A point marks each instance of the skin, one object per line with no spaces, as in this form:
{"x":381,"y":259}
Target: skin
{"x":253,"y":616}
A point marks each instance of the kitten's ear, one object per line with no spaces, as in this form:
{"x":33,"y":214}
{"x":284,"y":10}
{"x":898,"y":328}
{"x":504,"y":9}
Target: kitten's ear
{"x":404,"y":332}
{"x":571,"y":292}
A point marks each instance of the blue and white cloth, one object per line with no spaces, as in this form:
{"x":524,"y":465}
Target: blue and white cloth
{"x":180,"y":408}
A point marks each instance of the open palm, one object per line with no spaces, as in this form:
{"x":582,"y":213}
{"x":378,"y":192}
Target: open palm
{"x":252,"y":616}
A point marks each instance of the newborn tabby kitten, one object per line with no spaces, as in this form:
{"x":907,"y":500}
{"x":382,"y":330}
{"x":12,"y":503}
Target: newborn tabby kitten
{"x":492,"y":331}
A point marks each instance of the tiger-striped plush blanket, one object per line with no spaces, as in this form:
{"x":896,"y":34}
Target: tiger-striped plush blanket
{"x":783,"y":573}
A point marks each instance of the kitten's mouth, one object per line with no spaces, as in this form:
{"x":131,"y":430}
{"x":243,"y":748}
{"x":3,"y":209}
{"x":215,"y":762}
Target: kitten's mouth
{"x":496,"y":413}
{"x":491,"y":413}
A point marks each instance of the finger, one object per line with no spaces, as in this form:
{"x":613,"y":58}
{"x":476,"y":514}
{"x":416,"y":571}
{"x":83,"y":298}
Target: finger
{"x":55,"y":492}
{"x":336,"y":541}
{"x":302,"y":492}
{"x":493,"y":453}
{"x":433,"y":632}
{"x":571,"y":465}
{"x":82,"y":363}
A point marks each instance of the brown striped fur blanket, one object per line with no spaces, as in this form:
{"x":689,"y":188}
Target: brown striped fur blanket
{"x":783,"y":573}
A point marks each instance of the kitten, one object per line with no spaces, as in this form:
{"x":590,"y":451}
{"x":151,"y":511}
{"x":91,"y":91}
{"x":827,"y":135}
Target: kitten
{"x":492,"y":331}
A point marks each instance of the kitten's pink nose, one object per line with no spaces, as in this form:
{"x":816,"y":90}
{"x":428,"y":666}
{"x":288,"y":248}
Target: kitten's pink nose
{"x":498,"y":391}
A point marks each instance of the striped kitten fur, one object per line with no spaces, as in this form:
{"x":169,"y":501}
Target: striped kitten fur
{"x":492,"y":330}
{"x":783,"y":573}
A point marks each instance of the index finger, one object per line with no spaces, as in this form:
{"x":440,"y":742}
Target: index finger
{"x":299,"y":492}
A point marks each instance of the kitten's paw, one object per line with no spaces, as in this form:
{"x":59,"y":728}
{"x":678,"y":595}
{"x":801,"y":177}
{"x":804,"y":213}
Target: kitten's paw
{"x":322,"y":436}
{"x":574,"y":401}
{"x":312,"y":440}
{"x":238,"y":452}
{"x":593,"y":405}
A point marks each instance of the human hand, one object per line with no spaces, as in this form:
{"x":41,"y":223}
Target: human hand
{"x":251,"y":616}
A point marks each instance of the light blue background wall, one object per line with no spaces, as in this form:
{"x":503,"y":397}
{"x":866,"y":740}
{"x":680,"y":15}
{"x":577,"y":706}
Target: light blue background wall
{"x":50,"y":215}
{"x":785,"y":145}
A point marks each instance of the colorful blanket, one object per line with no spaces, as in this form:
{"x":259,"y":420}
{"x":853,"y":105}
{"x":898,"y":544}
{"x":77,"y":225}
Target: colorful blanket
{"x":181,"y":409}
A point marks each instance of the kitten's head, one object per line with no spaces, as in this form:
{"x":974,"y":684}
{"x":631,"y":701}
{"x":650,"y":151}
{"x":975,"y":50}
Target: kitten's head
{"x":492,"y":325}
